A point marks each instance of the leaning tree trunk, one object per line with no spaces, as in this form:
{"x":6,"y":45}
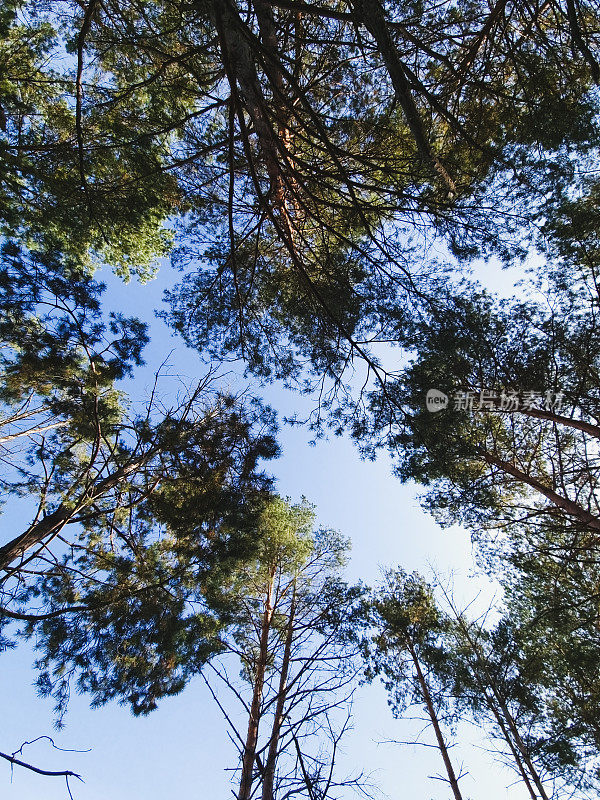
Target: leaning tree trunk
{"x":505,"y":721}
{"x":442,"y":746}
{"x":49,"y":526}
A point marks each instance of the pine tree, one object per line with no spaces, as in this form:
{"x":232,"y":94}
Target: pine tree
{"x":293,"y":628}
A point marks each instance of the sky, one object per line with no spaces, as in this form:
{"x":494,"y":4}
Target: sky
{"x":181,"y":750}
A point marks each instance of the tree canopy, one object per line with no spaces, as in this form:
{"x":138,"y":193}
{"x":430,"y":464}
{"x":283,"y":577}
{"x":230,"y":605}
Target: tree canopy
{"x":296,"y":150}
{"x":128,"y":509}
{"x":322,"y":174}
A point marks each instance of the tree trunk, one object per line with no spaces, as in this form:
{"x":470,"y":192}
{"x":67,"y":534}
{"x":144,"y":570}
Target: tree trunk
{"x":443,"y":748}
{"x":51,"y":524}
{"x":505,"y":721}
{"x":508,"y":739}
{"x":372,"y":16}
{"x":255,"y":709}
{"x":241,"y":71}
{"x":269,"y":776}
{"x":572,"y":508}
{"x":522,"y":748}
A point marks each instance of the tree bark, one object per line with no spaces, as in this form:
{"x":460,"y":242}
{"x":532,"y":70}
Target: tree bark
{"x":504,"y":718}
{"x":442,"y":746}
{"x":249,"y":756}
{"x":239,"y":61}
{"x":572,"y":508}
{"x":373,"y":18}
{"x":53,"y":523}
{"x":269,"y":775}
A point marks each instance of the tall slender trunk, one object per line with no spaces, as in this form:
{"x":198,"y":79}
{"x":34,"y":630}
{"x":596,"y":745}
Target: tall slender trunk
{"x":281,"y":107}
{"x":522,"y":748}
{"x":249,"y":756}
{"x":508,"y":739}
{"x":269,"y":774}
{"x":505,"y":720}
{"x":372,"y":16}
{"x":241,"y":72}
{"x":443,"y":748}
{"x":50,"y":525}
{"x":572,"y":508}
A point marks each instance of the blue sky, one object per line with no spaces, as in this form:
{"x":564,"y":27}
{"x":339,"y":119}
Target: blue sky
{"x":182,"y":750}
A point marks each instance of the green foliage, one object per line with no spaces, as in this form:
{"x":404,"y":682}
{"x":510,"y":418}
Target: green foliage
{"x":551,"y":583}
{"x":58,"y":353}
{"x":109,"y":201}
{"x":302,"y":164}
{"x":293,"y":627}
{"x":485,"y":463}
{"x":127,"y":611}
{"x":408,"y":626}
{"x":510,"y":678}
{"x":131,"y":515}
{"x":295,"y":172}
{"x":286,"y":551}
